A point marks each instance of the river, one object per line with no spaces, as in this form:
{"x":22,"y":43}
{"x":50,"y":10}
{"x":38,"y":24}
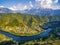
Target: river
{"x":27,"y":38}
{"x":44,"y":34}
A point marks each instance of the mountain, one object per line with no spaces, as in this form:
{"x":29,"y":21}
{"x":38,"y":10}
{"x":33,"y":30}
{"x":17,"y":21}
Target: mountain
{"x":39,"y":11}
{"x":5,"y":10}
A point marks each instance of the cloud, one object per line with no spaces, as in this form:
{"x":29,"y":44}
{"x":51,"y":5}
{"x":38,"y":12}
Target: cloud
{"x":46,"y":3}
{"x":30,"y":4}
{"x":55,"y":1}
{"x":38,"y":4}
{"x":1,"y":6}
{"x":18,"y":7}
{"x":13,"y":8}
{"x":55,"y":7}
{"x":22,"y":7}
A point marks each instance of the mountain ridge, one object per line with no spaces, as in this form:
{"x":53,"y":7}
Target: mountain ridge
{"x":39,"y":11}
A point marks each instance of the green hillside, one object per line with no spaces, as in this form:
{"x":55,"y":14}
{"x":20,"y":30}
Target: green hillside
{"x":26,"y":25}
{"x":20,"y":24}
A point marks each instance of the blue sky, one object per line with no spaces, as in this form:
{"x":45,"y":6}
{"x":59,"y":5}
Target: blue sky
{"x":14,"y":2}
{"x":29,"y":4}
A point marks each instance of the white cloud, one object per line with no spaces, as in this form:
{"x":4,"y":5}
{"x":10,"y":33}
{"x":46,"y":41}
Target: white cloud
{"x":38,"y":4}
{"x":18,"y":7}
{"x":1,"y":6}
{"x":22,"y":7}
{"x":55,"y":1}
{"x":30,"y":3}
{"x":25,"y":7}
{"x":46,"y":3}
{"x":13,"y":8}
{"x":55,"y":7}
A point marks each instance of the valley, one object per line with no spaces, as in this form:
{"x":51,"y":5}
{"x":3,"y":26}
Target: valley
{"x":27,"y":25}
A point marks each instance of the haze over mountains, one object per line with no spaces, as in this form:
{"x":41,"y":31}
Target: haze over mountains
{"x":5,"y":10}
{"x":39,"y":11}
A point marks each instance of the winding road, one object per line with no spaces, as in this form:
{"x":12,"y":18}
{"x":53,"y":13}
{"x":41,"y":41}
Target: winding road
{"x":48,"y":28}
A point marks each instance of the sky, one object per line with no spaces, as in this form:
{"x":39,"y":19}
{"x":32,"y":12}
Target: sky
{"x":30,"y":4}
